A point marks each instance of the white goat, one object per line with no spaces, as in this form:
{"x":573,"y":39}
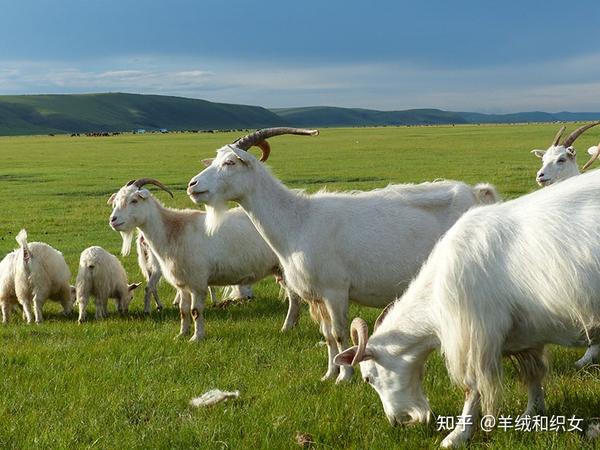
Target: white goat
{"x":506,"y":279}
{"x":102,"y":276}
{"x":150,"y":268}
{"x":8,"y":295}
{"x":190,"y":258}
{"x":40,"y":273}
{"x":559,"y":161}
{"x":336,"y":247}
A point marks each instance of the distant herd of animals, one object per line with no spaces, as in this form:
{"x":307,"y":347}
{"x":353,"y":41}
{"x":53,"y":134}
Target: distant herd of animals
{"x":454,"y":267}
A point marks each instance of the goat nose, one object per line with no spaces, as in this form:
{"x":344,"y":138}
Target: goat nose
{"x":113,"y":218}
{"x":193,"y":183}
{"x":541,"y":175}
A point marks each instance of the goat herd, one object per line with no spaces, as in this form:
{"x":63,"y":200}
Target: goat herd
{"x":476,"y":278}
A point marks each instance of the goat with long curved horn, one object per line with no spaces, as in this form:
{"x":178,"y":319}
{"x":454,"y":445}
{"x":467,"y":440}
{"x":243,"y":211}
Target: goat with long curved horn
{"x":559,"y":135}
{"x":144,"y":181}
{"x":359,"y":331}
{"x":259,"y":138}
{"x":575,"y":134}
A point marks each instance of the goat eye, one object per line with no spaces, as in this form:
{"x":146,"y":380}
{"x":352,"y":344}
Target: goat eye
{"x":134,"y":201}
{"x":561,"y":160}
{"x":229,"y":162}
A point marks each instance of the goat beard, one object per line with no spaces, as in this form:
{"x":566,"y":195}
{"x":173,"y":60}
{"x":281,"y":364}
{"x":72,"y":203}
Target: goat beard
{"x":127,"y":237}
{"x":215,"y":214}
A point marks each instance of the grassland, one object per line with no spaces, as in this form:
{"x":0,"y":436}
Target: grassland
{"x":125,"y":383}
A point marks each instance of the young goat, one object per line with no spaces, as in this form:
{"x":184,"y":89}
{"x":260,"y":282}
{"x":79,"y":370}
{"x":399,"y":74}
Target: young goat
{"x":505,"y":280}
{"x":102,"y":276}
{"x":192,"y":259}
{"x":39,"y":272}
{"x":336,"y":247}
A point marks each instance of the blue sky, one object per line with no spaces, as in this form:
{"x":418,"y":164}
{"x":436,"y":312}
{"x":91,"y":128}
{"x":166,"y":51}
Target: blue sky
{"x":489,"y":56}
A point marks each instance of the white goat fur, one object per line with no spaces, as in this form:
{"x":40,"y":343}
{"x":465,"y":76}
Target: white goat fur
{"x":39,"y":272}
{"x":8,"y":295}
{"x":191,"y":259}
{"x":336,"y":247}
{"x":102,"y":276}
{"x":506,"y":279}
{"x":150,"y":268}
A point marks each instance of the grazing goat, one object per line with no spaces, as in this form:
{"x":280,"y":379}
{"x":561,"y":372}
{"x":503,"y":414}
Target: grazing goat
{"x":505,"y":280}
{"x":40,"y":273}
{"x":191,"y":259}
{"x":102,"y":276}
{"x":335,"y":247}
{"x":559,"y":161}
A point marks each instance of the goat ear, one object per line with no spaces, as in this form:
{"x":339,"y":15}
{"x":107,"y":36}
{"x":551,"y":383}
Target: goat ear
{"x":571,"y":152}
{"x":346,"y":357}
{"x":133,"y":286}
{"x":111,"y":199}
{"x":143,"y":193}
{"x":208,"y":162}
{"x":593,"y":150}
{"x":538,"y":153}
{"x":243,"y":156}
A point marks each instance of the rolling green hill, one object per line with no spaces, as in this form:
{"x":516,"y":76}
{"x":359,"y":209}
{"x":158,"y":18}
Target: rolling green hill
{"x":327,"y":116}
{"x":40,"y":114}
{"x":81,"y":113}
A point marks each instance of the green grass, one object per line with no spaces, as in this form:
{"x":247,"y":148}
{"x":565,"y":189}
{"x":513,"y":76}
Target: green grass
{"x":125,"y":383}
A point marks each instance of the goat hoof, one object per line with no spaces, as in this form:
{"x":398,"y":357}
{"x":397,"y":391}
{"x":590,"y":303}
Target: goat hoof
{"x":195,"y":338}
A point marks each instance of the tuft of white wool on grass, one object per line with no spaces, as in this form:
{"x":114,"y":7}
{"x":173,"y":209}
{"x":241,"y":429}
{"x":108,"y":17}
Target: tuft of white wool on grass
{"x":213,"y":397}
{"x":593,"y":431}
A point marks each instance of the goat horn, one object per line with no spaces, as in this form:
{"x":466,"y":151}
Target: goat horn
{"x":359,"y":331}
{"x":575,"y":134}
{"x":259,"y":137}
{"x":144,"y":181}
{"x":592,"y":159}
{"x":559,"y":135}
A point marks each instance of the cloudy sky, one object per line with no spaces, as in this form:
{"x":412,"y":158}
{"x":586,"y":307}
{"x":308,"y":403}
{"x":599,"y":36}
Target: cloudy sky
{"x":487,"y":56}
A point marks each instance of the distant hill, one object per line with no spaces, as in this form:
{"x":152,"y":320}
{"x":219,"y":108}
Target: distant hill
{"x":35,"y":114}
{"x":327,"y":116}
{"x":331,"y":116}
{"x":80,"y":113}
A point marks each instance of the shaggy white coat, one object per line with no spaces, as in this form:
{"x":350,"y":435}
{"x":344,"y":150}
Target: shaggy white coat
{"x":506,"y":279}
{"x":336,"y":247}
{"x":40,"y":273}
{"x":102,"y":276}
{"x":192,"y":259}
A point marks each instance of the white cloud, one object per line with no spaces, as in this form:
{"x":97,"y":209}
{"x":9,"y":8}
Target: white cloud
{"x":551,"y":86}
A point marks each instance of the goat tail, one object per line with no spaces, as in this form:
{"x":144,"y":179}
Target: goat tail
{"x":486,"y":194}
{"x":22,"y":241}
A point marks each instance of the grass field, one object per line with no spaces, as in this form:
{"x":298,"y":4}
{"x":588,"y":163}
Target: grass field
{"x":125,"y":383}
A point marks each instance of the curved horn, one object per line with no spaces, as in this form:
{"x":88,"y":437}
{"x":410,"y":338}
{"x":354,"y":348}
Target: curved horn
{"x":244,"y":143}
{"x":575,"y":134}
{"x":144,"y":181}
{"x":359,"y":330}
{"x":559,"y":135}
{"x":592,"y":159}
